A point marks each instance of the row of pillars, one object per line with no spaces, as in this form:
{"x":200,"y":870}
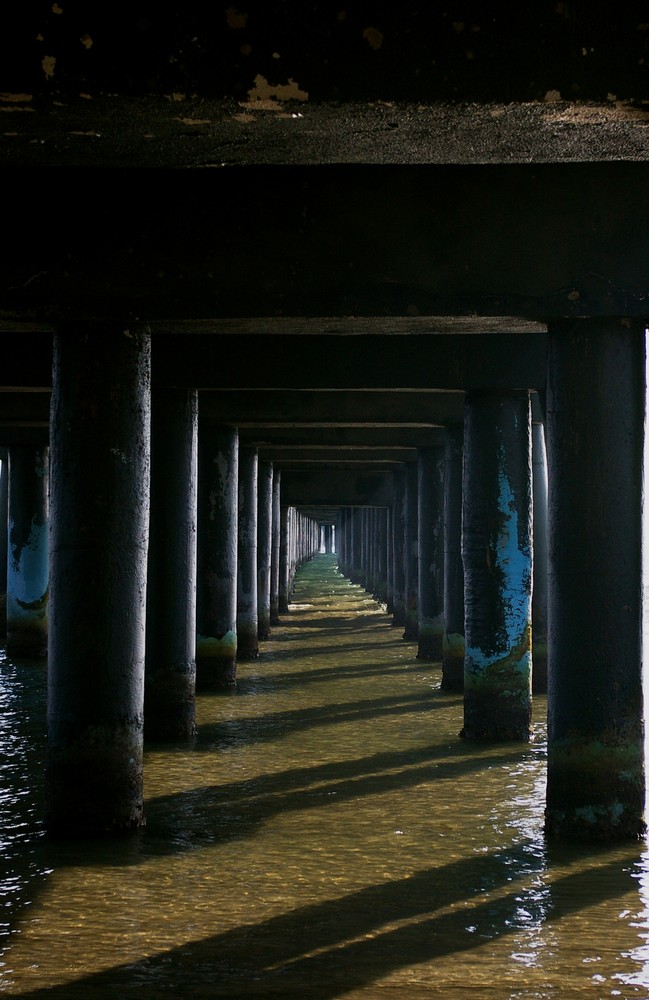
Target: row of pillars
{"x":520,"y":568}
{"x":108,"y":608}
{"x":146,"y":556}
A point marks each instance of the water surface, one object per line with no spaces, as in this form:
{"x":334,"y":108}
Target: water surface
{"x":326,"y":835}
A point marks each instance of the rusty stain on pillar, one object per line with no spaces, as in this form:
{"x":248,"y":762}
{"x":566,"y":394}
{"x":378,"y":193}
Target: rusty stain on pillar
{"x":170,"y":674}
{"x":99,"y":511}
{"x":453,"y":647}
{"x":264,"y":546}
{"x":430,"y":598}
{"x":247,"y":613}
{"x":540,"y":588}
{"x":27,"y":556}
{"x":497,"y":556}
{"x":411,"y":553}
{"x":595,"y":428}
{"x":275,"y":547}
{"x":216,"y":592}
{"x":4,"y":513}
{"x":398,"y":549}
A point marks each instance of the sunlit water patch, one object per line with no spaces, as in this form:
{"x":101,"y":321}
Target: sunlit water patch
{"x":327,"y":834}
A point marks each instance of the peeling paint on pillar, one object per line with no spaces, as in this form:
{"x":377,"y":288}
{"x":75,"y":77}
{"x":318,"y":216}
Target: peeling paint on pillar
{"x":99,"y":510}
{"x":216,"y":605}
{"x":247,"y":615}
{"x":27,"y":561}
{"x":595,"y":428}
{"x":497,"y":556}
{"x":453,"y":645}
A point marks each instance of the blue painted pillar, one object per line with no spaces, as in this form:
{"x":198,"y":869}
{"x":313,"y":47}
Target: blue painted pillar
{"x":99,"y":511}
{"x":453,"y":650}
{"x":247,"y":610}
{"x":170,"y":676}
{"x":595,"y":429}
{"x":27,"y":556}
{"x":216,"y":596}
{"x":497,"y":557}
{"x":430,"y":598}
{"x":4,"y":514}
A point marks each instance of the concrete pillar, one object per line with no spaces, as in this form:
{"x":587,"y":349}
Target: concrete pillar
{"x":540,"y":588}
{"x":264,"y":546}
{"x":27,"y":556}
{"x":275,"y":548}
{"x":247,"y":614}
{"x":411,"y":552}
{"x":389,"y":582}
{"x":430,"y":597}
{"x":356,"y":575}
{"x":4,"y":514}
{"x":382,"y":555}
{"x":497,"y":555}
{"x":216,"y":591}
{"x":170,"y":674}
{"x":399,"y":549}
{"x":285,"y":559}
{"x":453,"y":648}
{"x":99,"y":510}
{"x":595,"y":427}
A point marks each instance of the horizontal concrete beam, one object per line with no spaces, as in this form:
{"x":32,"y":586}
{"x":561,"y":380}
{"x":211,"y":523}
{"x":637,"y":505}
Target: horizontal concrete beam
{"x":345,"y":489}
{"x":366,"y":438}
{"x":251,"y":409}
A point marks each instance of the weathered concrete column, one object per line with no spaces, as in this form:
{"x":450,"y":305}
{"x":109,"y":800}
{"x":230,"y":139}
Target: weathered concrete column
{"x":264,"y":546}
{"x":247,"y":614}
{"x":357,"y":545}
{"x":275,"y":548}
{"x":382,"y":554}
{"x":99,"y":522}
{"x":430,"y":596}
{"x":27,"y":557}
{"x":399,"y":550}
{"x":497,"y":555}
{"x":453,"y":649}
{"x":389,"y":555}
{"x":411,"y":552}
{"x":216,"y":592}
{"x":4,"y":514}
{"x":595,"y":426}
{"x":540,"y":588}
{"x":285,"y":559}
{"x":170,"y":674}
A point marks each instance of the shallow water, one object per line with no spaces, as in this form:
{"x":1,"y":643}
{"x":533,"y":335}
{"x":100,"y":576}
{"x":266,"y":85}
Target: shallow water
{"x":326,"y":835}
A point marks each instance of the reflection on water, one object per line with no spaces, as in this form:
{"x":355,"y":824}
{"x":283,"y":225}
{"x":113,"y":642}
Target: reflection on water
{"x":327,"y":834}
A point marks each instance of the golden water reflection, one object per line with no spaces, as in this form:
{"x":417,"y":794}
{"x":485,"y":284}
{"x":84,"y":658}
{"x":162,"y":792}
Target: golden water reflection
{"x":326,"y":835}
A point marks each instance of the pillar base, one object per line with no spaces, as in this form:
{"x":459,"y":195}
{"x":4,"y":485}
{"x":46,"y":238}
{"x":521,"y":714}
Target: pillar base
{"x":29,"y":642}
{"x":170,"y":703}
{"x":452,"y":662}
{"x":216,"y":662}
{"x":595,"y":792}
{"x":94,"y":782}
{"x":430,"y":637}
{"x":498,"y":697}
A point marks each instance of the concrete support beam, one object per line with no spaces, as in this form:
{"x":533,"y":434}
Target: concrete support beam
{"x":497,"y":556}
{"x":216,"y":605}
{"x":247,"y":612}
{"x":99,"y":511}
{"x":170,"y":676}
{"x":430,"y":596}
{"x":595,"y":427}
{"x":453,"y":649}
{"x":27,"y":561}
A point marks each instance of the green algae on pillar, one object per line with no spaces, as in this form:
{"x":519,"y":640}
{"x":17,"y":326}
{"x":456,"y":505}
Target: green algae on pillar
{"x":497,"y":557}
{"x":99,"y":511}
{"x":27,"y":557}
{"x":595,"y":428}
{"x":216,"y":593}
{"x":170,"y":675}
